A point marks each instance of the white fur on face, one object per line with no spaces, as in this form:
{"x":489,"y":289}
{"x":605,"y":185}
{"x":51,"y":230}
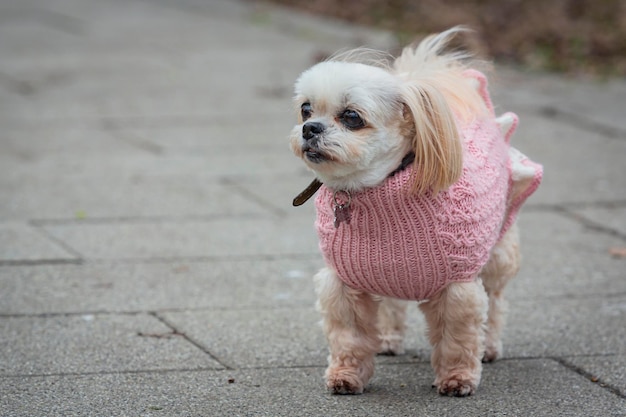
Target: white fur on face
{"x":353,"y":158}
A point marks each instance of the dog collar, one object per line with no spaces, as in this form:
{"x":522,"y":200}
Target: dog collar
{"x":315,"y":185}
{"x":307,"y":193}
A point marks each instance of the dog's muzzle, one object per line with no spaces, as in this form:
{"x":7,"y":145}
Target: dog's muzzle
{"x":311,"y":132}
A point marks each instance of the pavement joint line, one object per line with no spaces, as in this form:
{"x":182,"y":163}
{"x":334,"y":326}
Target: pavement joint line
{"x":60,"y":243}
{"x":589,"y":376}
{"x":221,"y":309}
{"x":72,"y":314}
{"x":566,"y":211}
{"x":41,"y":262}
{"x":243,"y":191}
{"x":396,"y":363}
{"x":151,"y":312}
{"x":143,"y":219}
{"x":258,"y":308}
{"x":42,"y":222}
{"x":590,"y":224}
{"x":123,"y":372}
{"x":138,"y":121}
{"x":572,"y":296}
{"x":161,"y":260}
{"x":606,"y":204}
{"x":581,"y":121}
{"x":191,"y":340}
{"x":161,"y":371}
{"x":200,"y":259}
{"x":131,"y":139}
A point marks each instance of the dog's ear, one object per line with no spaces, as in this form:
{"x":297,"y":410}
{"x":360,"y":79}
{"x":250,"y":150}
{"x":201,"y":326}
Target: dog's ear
{"x":434,"y":136}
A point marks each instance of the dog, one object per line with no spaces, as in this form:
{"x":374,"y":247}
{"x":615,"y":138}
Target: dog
{"x":418,"y":192}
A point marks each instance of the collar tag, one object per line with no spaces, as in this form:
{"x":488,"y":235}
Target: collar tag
{"x":341,"y":209}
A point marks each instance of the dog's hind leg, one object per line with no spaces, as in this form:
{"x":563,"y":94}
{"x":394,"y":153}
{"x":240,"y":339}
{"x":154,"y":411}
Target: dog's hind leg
{"x":392,"y":325}
{"x":349,"y":318}
{"x":503,"y":265}
{"x":456,"y":317}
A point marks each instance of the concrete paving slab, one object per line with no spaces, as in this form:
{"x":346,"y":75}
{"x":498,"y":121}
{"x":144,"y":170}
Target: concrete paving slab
{"x":120,"y":169}
{"x":396,"y":390}
{"x":593,"y":103}
{"x":138,"y":100}
{"x":280,"y":337}
{"x":565,"y":151}
{"x":563,"y":258}
{"x":606,"y":370}
{"x":135,"y":177}
{"x":225,"y":237}
{"x":72,"y":199}
{"x":265,"y":338}
{"x":254,"y":338}
{"x":613,"y":218}
{"x":136,"y":287}
{"x":94,"y":343}
{"x":211,"y":139}
{"x":23,"y":242}
{"x":278,"y":190}
{"x":566,"y":327}
{"x":99,"y":73}
{"x":121,"y":155}
{"x":196,"y":68}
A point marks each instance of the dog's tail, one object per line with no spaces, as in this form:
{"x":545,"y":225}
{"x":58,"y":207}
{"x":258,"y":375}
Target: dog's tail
{"x":432,"y":63}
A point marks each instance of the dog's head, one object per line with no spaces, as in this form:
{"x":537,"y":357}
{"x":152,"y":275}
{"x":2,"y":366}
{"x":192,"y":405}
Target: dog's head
{"x":356,"y":121}
{"x":350,"y":123}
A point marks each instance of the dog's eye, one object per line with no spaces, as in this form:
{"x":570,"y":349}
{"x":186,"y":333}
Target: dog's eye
{"x":306,"y":111}
{"x":352,"y":120}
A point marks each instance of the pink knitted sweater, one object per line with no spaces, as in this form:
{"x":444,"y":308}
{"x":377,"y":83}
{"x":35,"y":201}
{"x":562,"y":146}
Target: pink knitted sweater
{"x":406,"y":246}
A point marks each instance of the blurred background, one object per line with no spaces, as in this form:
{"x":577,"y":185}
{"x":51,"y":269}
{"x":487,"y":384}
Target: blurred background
{"x":585,"y":37}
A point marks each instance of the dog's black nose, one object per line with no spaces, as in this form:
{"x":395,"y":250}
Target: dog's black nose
{"x":311,"y":129}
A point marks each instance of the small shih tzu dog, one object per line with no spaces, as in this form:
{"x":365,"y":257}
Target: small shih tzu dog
{"x":417,"y":190}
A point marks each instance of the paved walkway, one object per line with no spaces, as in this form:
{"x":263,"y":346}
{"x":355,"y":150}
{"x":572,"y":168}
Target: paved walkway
{"x":151,"y":263}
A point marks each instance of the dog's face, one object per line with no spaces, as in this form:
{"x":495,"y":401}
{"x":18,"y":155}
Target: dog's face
{"x":352,"y":126}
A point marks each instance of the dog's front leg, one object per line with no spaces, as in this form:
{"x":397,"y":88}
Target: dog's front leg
{"x":392,"y":325}
{"x":456,"y":318}
{"x":349,"y":318}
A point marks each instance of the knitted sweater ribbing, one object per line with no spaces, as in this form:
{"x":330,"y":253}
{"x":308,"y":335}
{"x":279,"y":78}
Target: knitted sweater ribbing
{"x":406,"y":246}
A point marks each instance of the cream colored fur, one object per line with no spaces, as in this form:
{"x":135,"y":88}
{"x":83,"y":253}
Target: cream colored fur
{"x":464,"y":326}
{"x":411,"y":104}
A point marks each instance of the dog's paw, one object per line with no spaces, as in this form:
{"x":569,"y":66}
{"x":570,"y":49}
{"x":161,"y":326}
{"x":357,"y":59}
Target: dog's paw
{"x":391,"y":345}
{"x":492,"y":351}
{"x":344,"y":382}
{"x":490,"y":355}
{"x":456,"y":386}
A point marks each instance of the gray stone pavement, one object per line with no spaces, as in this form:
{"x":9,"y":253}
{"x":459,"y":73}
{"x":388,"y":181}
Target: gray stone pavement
{"x":151,"y":263}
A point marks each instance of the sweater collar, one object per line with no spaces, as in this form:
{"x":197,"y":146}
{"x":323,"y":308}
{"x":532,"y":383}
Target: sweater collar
{"x":315,"y":185}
